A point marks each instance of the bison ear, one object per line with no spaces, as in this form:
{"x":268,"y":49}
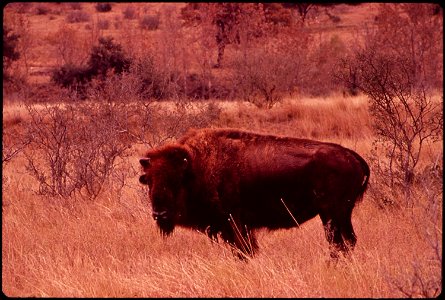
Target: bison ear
{"x":145,"y":162}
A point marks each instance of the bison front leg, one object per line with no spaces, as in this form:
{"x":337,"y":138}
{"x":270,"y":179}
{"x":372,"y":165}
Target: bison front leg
{"x":241,"y":238}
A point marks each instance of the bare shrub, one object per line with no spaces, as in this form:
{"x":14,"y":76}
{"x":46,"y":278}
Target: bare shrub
{"x":13,"y":143}
{"x":74,"y":149}
{"x":103,"y":7}
{"x":167,"y":121}
{"x":395,"y":70}
{"x":323,"y":58}
{"x":103,"y":24}
{"x":100,"y":146}
{"x":70,"y":48}
{"x":23,"y":7}
{"x":130,"y":12}
{"x":171,"y":53}
{"x":144,"y":121}
{"x":264,"y":74}
{"x":54,"y":146}
{"x":77,"y":16}
{"x":424,"y":278}
{"x":153,"y":81}
{"x":149,"y":22}
{"x":75,"y":5}
{"x":42,"y":9}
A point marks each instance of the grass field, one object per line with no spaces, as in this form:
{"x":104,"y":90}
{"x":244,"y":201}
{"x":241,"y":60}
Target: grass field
{"x":110,"y":247}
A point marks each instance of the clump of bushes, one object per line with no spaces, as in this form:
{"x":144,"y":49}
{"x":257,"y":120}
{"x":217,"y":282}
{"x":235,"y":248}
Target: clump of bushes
{"x":103,"y":7}
{"x":149,"y":22}
{"x":75,"y":5}
{"x":77,"y":16}
{"x":74,"y":149}
{"x":107,"y":56}
{"x":103,"y":24}
{"x":42,"y":10}
{"x":129,"y":13}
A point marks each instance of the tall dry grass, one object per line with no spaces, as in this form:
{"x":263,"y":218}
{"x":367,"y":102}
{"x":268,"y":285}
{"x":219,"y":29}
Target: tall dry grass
{"x":110,"y":247}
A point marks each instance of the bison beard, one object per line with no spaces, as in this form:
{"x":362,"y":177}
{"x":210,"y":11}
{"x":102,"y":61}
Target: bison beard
{"x":230,"y":183}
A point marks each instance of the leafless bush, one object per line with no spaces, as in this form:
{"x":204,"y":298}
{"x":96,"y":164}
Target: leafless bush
{"x":265,"y":73}
{"x":77,"y":16}
{"x":22,"y":7}
{"x":130,"y":12}
{"x":424,"y":279}
{"x":319,"y":79}
{"x":103,"y":7}
{"x":103,"y":24}
{"x":154,"y":83}
{"x":51,"y":145}
{"x":149,"y":22}
{"x":74,"y":149}
{"x":167,"y":121}
{"x":396,"y":72}
{"x":406,"y":116}
{"x":70,"y":48}
{"x":42,"y":9}
{"x":100,"y":146}
{"x":143,"y":120}
{"x":13,"y":143}
{"x":74,"y":5}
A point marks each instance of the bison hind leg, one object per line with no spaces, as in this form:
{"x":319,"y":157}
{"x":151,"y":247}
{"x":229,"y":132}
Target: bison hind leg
{"x":339,"y":232}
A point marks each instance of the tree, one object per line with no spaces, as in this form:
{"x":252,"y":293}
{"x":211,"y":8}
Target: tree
{"x":228,"y":20}
{"x":108,"y":55}
{"x":303,"y":9}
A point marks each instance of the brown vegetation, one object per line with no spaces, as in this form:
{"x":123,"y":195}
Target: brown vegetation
{"x":75,"y":220}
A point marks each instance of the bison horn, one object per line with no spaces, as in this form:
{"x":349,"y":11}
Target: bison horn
{"x":145,"y":162}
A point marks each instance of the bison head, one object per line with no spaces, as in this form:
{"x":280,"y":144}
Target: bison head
{"x":165,"y":171}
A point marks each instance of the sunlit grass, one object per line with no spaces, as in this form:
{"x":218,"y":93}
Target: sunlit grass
{"x":110,"y":247}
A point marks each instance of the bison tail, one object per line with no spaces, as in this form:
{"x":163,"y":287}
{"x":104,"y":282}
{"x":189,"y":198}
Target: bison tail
{"x":367,"y":172}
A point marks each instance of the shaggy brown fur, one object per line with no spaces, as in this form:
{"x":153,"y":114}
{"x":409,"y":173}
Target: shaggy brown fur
{"x":233,"y":182}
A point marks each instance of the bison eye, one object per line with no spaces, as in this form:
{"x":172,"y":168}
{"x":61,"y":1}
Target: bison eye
{"x":144,"y":179}
{"x":145,"y":162}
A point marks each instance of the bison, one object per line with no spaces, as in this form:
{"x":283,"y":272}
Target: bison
{"x":229,"y":183}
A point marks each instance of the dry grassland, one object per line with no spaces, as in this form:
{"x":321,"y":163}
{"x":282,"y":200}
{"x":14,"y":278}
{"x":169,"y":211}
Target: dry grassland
{"x":110,"y":247}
